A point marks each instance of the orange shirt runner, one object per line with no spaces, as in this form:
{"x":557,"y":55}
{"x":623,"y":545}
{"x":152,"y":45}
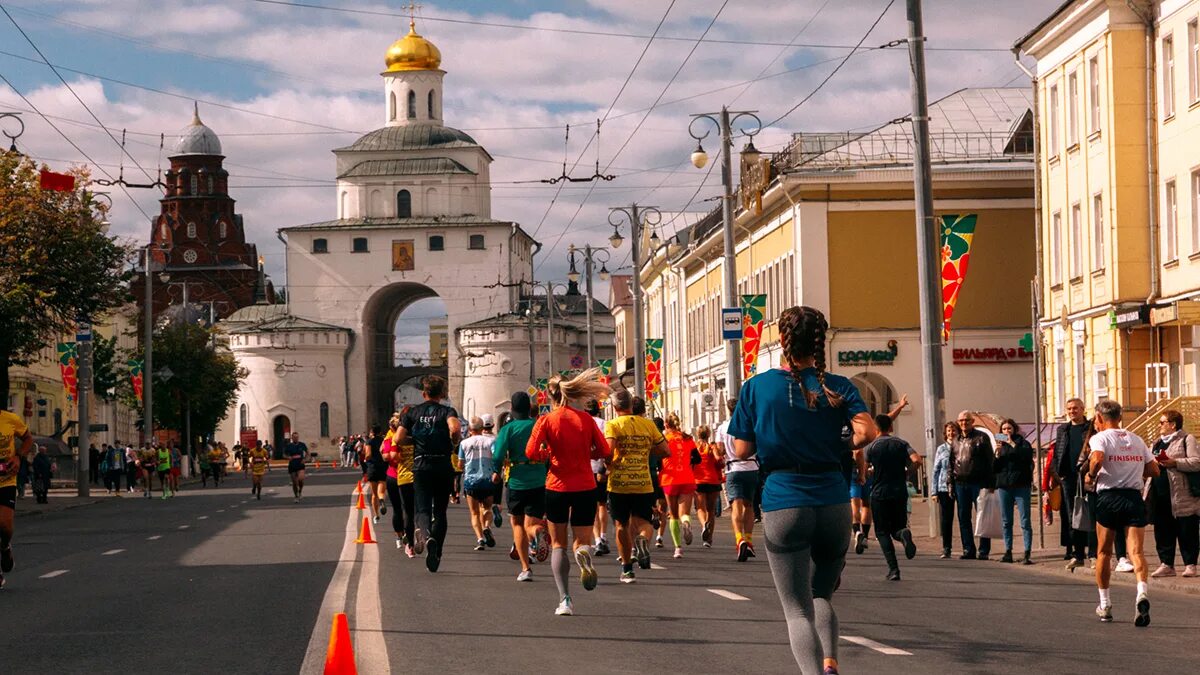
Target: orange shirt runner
{"x":677,"y":467}
{"x":707,"y":472}
{"x":568,"y":439}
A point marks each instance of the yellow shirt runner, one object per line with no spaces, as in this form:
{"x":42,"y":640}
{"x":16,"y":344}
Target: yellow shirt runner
{"x":629,"y":472}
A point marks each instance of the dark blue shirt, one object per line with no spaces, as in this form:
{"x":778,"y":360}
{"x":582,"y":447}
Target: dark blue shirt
{"x":772,"y":412}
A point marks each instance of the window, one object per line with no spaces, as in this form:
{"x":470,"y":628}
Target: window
{"x":430,"y":105}
{"x":1072,"y":109}
{"x":1101,"y":377}
{"x":1060,"y":375}
{"x":324,"y":420}
{"x":222,"y":230}
{"x":320,"y":246}
{"x":1076,"y":241}
{"x":210,"y":185}
{"x":1097,"y":232}
{"x":243,"y":416}
{"x":476,"y":242}
{"x":1080,"y":370}
{"x":1094,"y":94}
{"x":437,"y":243}
{"x":1196,"y":211}
{"x":412,"y":105}
{"x":194,"y":182}
{"x":1170,"y":230}
{"x":403,"y":204}
{"x":392,"y":106}
{"x":1056,"y":249}
{"x":1168,"y":76}
{"x":1193,"y":60}
{"x":359,"y":245}
{"x":1052,"y":133}
{"x":191,"y":230}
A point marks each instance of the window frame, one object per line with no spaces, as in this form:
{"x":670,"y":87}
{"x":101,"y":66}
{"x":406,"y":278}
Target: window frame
{"x":1193,"y":59}
{"x":1094,"y":94}
{"x":1195,"y":198}
{"x":319,"y":245}
{"x":412,"y":104}
{"x":403,"y":197}
{"x":1073,"y":108}
{"x":1076,"y":241}
{"x":1168,"y":76}
{"x":1052,"y":130}
{"x":471,"y":240}
{"x":323,"y":417}
{"x":1098,"y":234}
{"x":1056,"y":248}
{"x":354,"y":245}
{"x":1170,"y":222}
{"x":441,"y":241}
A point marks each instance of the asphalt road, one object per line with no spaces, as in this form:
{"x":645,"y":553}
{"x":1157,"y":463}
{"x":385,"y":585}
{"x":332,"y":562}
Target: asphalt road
{"x":214,"y":581}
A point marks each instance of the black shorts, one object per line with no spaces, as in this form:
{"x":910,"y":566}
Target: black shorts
{"x":889,"y":515}
{"x":577,"y":508}
{"x":8,"y":497}
{"x":297,"y":464}
{"x":1120,"y":508}
{"x":531,"y":502}
{"x":622,"y":506}
{"x":376,"y":471}
{"x":162,"y":475}
{"x":480,"y":491}
{"x":602,"y":491}
{"x":708,"y":488}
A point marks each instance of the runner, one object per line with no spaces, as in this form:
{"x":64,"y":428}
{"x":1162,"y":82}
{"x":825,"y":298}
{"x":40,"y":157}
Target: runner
{"x":434,"y":430}
{"x":148,"y":464}
{"x":568,"y":439}
{"x":244,"y":458}
{"x":457,"y":475}
{"x":399,"y":457}
{"x":526,"y":486}
{"x":792,"y":418}
{"x":260,"y":463}
{"x":295,"y":452}
{"x":377,"y":469}
{"x":219,"y":460}
{"x":163,"y":459}
{"x":708,"y":483}
{"x":1119,"y":463}
{"x":16,"y":442}
{"x":204,"y":458}
{"x":890,"y":458}
{"x":741,"y":485}
{"x":600,"y":469}
{"x":860,"y":501}
{"x":679,"y":482}
{"x":633,"y":439}
{"x":176,"y":468}
{"x":475,"y":456}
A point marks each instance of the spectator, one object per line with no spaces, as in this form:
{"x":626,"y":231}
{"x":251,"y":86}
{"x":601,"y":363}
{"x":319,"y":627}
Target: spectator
{"x":114,"y":460}
{"x":942,"y":487}
{"x":971,"y":471}
{"x":23,"y":476}
{"x":43,"y":472}
{"x":1069,"y":441}
{"x":1175,"y":506}
{"x":1014,"y":479}
{"x":94,"y":457}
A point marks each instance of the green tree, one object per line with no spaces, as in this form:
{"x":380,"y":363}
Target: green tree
{"x":105,"y":372}
{"x":57,"y":265}
{"x":205,"y":377}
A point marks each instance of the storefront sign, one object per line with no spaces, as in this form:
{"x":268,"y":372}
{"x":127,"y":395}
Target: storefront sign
{"x":1128,"y":318}
{"x":881,"y":357}
{"x":968,"y":355}
{"x":1161,"y":315}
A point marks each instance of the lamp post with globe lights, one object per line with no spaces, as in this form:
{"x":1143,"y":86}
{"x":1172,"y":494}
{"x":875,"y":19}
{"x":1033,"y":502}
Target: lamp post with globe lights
{"x":590,"y":255}
{"x":638,"y":217}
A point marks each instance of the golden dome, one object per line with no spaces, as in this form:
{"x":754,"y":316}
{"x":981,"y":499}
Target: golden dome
{"x":412,"y":52}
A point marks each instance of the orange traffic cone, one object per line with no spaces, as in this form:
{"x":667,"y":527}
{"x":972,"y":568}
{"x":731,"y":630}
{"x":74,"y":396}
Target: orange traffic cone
{"x":364,"y":535}
{"x":339,"y":658}
{"x":362,"y":504}
{"x":358,"y":488}
{"x":316,"y":464}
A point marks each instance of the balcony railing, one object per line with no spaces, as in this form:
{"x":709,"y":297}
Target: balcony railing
{"x":845,"y":150}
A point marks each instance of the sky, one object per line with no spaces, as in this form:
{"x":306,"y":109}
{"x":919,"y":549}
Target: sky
{"x":283,"y":84}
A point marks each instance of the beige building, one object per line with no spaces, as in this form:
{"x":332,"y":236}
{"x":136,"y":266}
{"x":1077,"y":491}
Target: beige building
{"x":1118,"y":100}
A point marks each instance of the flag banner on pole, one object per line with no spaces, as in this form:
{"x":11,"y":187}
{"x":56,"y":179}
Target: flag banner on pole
{"x":605,"y":366}
{"x":58,"y":182}
{"x":754,"y":312}
{"x":543,"y":398}
{"x":654,"y":350}
{"x":135,"y":377}
{"x":957,"y":234}
{"x":68,"y":359}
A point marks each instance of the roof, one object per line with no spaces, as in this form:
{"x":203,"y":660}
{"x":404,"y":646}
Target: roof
{"x":405,"y":223}
{"x":1045,"y":22}
{"x":411,"y":137}
{"x":257,"y":314}
{"x":286,"y":323}
{"x":197,"y":139}
{"x":406,"y":167}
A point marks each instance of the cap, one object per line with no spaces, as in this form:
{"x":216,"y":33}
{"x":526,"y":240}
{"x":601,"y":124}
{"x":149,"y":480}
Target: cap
{"x":488,"y":422}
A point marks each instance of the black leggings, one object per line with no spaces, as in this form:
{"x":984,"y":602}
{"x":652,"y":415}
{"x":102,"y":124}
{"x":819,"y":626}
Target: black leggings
{"x":431,"y":492}
{"x":401,"y":497}
{"x":946,"y":512}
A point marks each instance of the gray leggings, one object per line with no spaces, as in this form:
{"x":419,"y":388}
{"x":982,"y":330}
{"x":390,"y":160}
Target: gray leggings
{"x":806,"y":548}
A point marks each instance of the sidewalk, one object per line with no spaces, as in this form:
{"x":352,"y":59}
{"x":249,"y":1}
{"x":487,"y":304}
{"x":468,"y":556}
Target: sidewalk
{"x":1047,"y":560}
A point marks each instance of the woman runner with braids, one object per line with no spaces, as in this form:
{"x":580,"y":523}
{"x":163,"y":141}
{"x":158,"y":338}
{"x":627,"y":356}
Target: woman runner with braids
{"x":791,"y":419}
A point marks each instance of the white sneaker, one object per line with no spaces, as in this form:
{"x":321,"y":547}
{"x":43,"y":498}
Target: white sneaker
{"x":1164,"y":570}
{"x":678,"y":553}
{"x":565,"y":608}
{"x":1123,"y":565}
{"x":525,"y":575}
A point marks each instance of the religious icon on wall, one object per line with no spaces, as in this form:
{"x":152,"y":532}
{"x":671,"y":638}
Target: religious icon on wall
{"x":402,"y":255}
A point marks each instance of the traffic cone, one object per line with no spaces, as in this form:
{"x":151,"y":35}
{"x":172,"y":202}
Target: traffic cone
{"x":339,"y":658}
{"x":316,"y":464}
{"x":364,"y":535}
{"x":358,"y":488}
{"x":362,"y":504}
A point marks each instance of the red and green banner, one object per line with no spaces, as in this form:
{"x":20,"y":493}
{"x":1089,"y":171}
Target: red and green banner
{"x":754,"y":312}
{"x":654,"y":351}
{"x":68,"y":359}
{"x":605,"y":366}
{"x":58,"y":182}
{"x":135,"y":377}
{"x":957,"y":233}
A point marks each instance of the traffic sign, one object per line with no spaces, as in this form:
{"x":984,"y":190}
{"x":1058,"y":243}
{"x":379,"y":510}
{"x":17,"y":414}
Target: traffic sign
{"x":97,"y":427}
{"x":731,"y":323}
{"x":83,"y":332}
{"x":532,"y":391}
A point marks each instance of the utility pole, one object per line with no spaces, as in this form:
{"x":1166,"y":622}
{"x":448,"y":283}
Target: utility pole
{"x":928,"y":274}
{"x":1036,"y":333}
{"x":83,"y":339}
{"x":148,"y":356}
{"x":591,"y":338}
{"x":532,"y":354}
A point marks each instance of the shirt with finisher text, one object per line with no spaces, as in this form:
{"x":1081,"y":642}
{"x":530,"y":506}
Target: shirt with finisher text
{"x":1125,"y":459}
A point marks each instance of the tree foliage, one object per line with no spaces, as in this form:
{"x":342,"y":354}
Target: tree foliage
{"x":206,"y":377}
{"x":57,"y":265}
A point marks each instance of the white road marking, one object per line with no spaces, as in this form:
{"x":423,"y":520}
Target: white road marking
{"x":728,"y":595}
{"x":157,"y":536}
{"x":871,"y":644}
{"x":220,"y":510}
{"x":369,"y":645}
{"x":114,"y":551}
{"x":202,"y":518}
{"x":334,"y":601}
{"x":55,"y":573}
{"x":656,"y":566}
{"x":184,"y":527}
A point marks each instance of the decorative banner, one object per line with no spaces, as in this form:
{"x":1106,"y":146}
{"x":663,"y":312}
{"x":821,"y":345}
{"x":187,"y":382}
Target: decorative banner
{"x":605,"y":366}
{"x":957,"y":233}
{"x":654,"y":349}
{"x":58,"y":182}
{"x":135,"y":377}
{"x":68,"y":357}
{"x":543,"y":398}
{"x":576,"y":362}
{"x":754,"y":311}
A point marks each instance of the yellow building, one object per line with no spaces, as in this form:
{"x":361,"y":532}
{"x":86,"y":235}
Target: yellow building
{"x":1118,"y":100}
{"x":836,"y":231}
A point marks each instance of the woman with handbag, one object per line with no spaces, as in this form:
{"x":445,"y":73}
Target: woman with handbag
{"x":1014,"y":478}
{"x":1175,"y":496}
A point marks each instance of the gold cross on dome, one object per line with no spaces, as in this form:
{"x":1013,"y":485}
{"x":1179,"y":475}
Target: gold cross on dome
{"x":412,"y":8}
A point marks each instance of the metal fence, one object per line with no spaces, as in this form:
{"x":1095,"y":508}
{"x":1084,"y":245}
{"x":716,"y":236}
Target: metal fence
{"x":893,"y":148}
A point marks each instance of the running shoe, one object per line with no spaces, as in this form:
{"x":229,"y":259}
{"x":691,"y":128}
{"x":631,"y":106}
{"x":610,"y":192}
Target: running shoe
{"x":1105,"y":613}
{"x":419,"y":538}
{"x":893,"y":574}
{"x":602,"y":548}
{"x":1164,"y":570}
{"x":525,"y":575}
{"x":678,"y":553}
{"x":706,"y":535}
{"x":641,"y":551}
{"x":488,"y":538}
{"x":743,"y":551}
{"x":752,"y":551}
{"x":658,"y":542}
{"x":375,"y":519}
{"x":910,"y":547}
{"x":1073,"y":564}
{"x":587,"y":573}
{"x":542,"y":543}
{"x":433,"y":555}
{"x":512,"y":553}
{"x":1123,"y":565}
{"x":480,"y":545}
{"x":383,"y":509}
{"x":687,"y":532}
{"x":860,"y":543}
{"x":565,"y":608}
{"x":399,"y":543}
{"x":408,"y":551}
{"x":628,"y":578}
{"x":1189,"y":571}
{"x":6,"y":559}
{"x":654,"y":520}
{"x":1143,"y":611}
{"x":1,"y":582}
{"x":496,"y":520}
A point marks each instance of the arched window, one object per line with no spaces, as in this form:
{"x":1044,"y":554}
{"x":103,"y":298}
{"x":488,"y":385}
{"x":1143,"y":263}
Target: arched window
{"x":324,"y":420}
{"x":191,"y":230}
{"x":392,"y":106}
{"x":222,"y":230}
{"x":345,"y":205}
{"x":243,"y":415}
{"x":195,"y":185}
{"x":403,"y":204}
{"x":412,"y":104}
{"x":431,"y":115}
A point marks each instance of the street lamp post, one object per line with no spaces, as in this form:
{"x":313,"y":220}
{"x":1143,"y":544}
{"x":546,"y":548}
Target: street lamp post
{"x":589,"y":257}
{"x":638,"y":217}
{"x":724,"y":120}
{"x":549,"y":287}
